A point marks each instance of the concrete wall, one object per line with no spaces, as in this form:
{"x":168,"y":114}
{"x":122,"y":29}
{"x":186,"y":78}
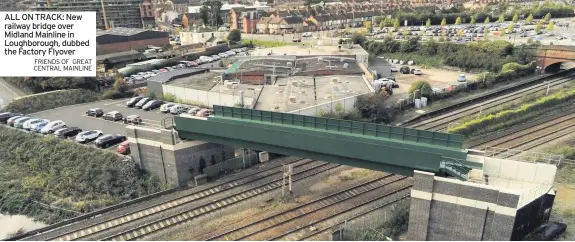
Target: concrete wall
{"x":174,"y":163}
{"x":232,"y":164}
{"x":205,"y":97}
{"x":447,"y":209}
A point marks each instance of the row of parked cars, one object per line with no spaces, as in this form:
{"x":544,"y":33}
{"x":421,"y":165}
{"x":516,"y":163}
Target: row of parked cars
{"x":59,"y":129}
{"x":142,"y":76}
{"x":147,"y":104}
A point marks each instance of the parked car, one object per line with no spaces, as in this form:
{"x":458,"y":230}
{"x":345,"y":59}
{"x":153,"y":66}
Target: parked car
{"x":393,"y":69}
{"x":461,"y":78}
{"x":216,"y":57}
{"x":124,"y":148}
{"x":178,"y":109}
{"x":67,"y":132}
{"x":37,"y":127}
{"x":109,"y":140}
{"x":405,"y":70}
{"x":165,"y":108}
{"x":222,"y":55}
{"x":4,"y":117}
{"x":10,"y":121}
{"x":153,"y":104}
{"x":96,"y":112}
{"x":113,"y":116}
{"x":163,"y":70}
{"x":133,"y":101}
{"x":132,"y":119}
{"x":53,"y":126}
{"x":418,"y":72}
{"x":26,"y":125}
{"x":194,"y":110}
{"x":204,"y":113}
{"x":88,"y":136}
{"x":142,"y":102}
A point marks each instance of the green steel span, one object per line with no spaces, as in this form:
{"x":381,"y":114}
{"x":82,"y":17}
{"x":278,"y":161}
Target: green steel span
{"x":372,"y":146}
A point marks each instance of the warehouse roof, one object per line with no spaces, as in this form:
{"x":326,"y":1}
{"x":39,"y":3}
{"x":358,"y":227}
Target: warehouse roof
{"x":169,"y":76}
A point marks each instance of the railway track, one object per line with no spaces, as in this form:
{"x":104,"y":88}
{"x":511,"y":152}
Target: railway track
{"x":441,"y":122}
{"x":301,"y":214}
{"x":208,"y":207}
{"x":92,"y":229}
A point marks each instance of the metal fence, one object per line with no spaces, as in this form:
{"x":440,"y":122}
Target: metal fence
{"x":369,"y":129}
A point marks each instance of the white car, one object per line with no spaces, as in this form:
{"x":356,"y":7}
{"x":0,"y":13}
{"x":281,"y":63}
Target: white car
{"x":87,"y":136}
{"x":178,"y":109}
{"x":393,"y":68}
{"x":418,"y":72}
{"x":28,"y":124}
{"x":223,"y":55}
{"x":53,"y":126}
{"x":165,"y":108}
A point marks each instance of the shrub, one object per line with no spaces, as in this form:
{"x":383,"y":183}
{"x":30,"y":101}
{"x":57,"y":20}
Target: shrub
{"x":46,"y":84}
{"x":64,"y":174}
{"x":114,"y":94}
{"x":49,"y":100}
{"x":423,"y":89}
{"x":481,"y":122}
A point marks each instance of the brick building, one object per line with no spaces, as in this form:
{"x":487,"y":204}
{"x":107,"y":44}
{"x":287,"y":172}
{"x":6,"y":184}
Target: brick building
{"x":126,"y":39}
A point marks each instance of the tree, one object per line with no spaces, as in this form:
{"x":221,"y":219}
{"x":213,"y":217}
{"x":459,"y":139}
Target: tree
{"x":547,"y":17}
{"x":368,"y":27}
{"x":420,"y":88}
{"x":510,"y":28}
{"x":550,"y":26}
{"x":487,"y":20}
{"x":529,"y":18}
{"x":210,"y":13}
{"x":460,"y":32}
{"x":443,"y":23}
{"x":396,"y":24}
{"x":428,"y":23}
{"x":538,"y":26}
{"x":405,"y":32}
{"x":501,"y":18}
{"x":515,"y":18}
{"x":473,"y":20}
{"x":382,"y":24}
{"x":411,"y":45}
{"x":358,"y":39}
{"x":120,"y":84}
{"x":458,"y":21}
{"x":235,"y":36}
{"x":486,"y":32}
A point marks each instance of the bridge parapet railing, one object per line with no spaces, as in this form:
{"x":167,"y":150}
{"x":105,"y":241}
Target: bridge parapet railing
{"x":354,"y":127}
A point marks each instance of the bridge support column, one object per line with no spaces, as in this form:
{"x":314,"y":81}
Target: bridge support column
{"x":420,"y":205}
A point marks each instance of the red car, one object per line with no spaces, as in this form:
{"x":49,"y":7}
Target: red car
{"x":124,"y":148}
{"x":163,"y":70}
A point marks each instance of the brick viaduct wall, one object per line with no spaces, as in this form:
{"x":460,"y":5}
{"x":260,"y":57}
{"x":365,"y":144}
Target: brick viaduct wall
{"x":445,"y":209}
{"x":174,"y":163}
{"x":549,"y":55}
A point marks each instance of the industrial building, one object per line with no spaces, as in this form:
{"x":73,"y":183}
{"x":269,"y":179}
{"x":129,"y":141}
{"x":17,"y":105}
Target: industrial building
{"x":126,"y":39}
{"x":109,"y":13}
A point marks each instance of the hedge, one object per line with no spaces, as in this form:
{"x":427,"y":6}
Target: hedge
{"x":43,"y":169}
{"x":482,"y":122}
{"x":50,"y":100}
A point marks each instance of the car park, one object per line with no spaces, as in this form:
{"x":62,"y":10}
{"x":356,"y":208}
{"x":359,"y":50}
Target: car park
{"x":65,"y":133}
{"x":4,"y":117}
{"x":133,"y":119}
{"x":153,"y":104}
{"x":95,"y":112}
{"x":53,"y":126}
{"x":142,"y":102}
{"x":88,"y":136}
{"x":109,"y":140}
{"x":113,"y":116}
{"x":124,"y":148}
{"x":165,"y":108}
{"x":178,"y":109}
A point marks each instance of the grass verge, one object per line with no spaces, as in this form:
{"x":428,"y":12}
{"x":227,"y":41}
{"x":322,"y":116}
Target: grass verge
{"x":51,"y":180}
{"x":49,"y":100}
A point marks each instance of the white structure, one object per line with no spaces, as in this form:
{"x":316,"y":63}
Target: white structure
{"x":197,"y":36}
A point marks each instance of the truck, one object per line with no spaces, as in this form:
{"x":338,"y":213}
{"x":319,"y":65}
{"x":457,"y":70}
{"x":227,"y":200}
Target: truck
{"x":296,"y":38}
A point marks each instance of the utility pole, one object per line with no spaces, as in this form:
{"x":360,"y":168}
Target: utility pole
{"x":288,"y":170}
